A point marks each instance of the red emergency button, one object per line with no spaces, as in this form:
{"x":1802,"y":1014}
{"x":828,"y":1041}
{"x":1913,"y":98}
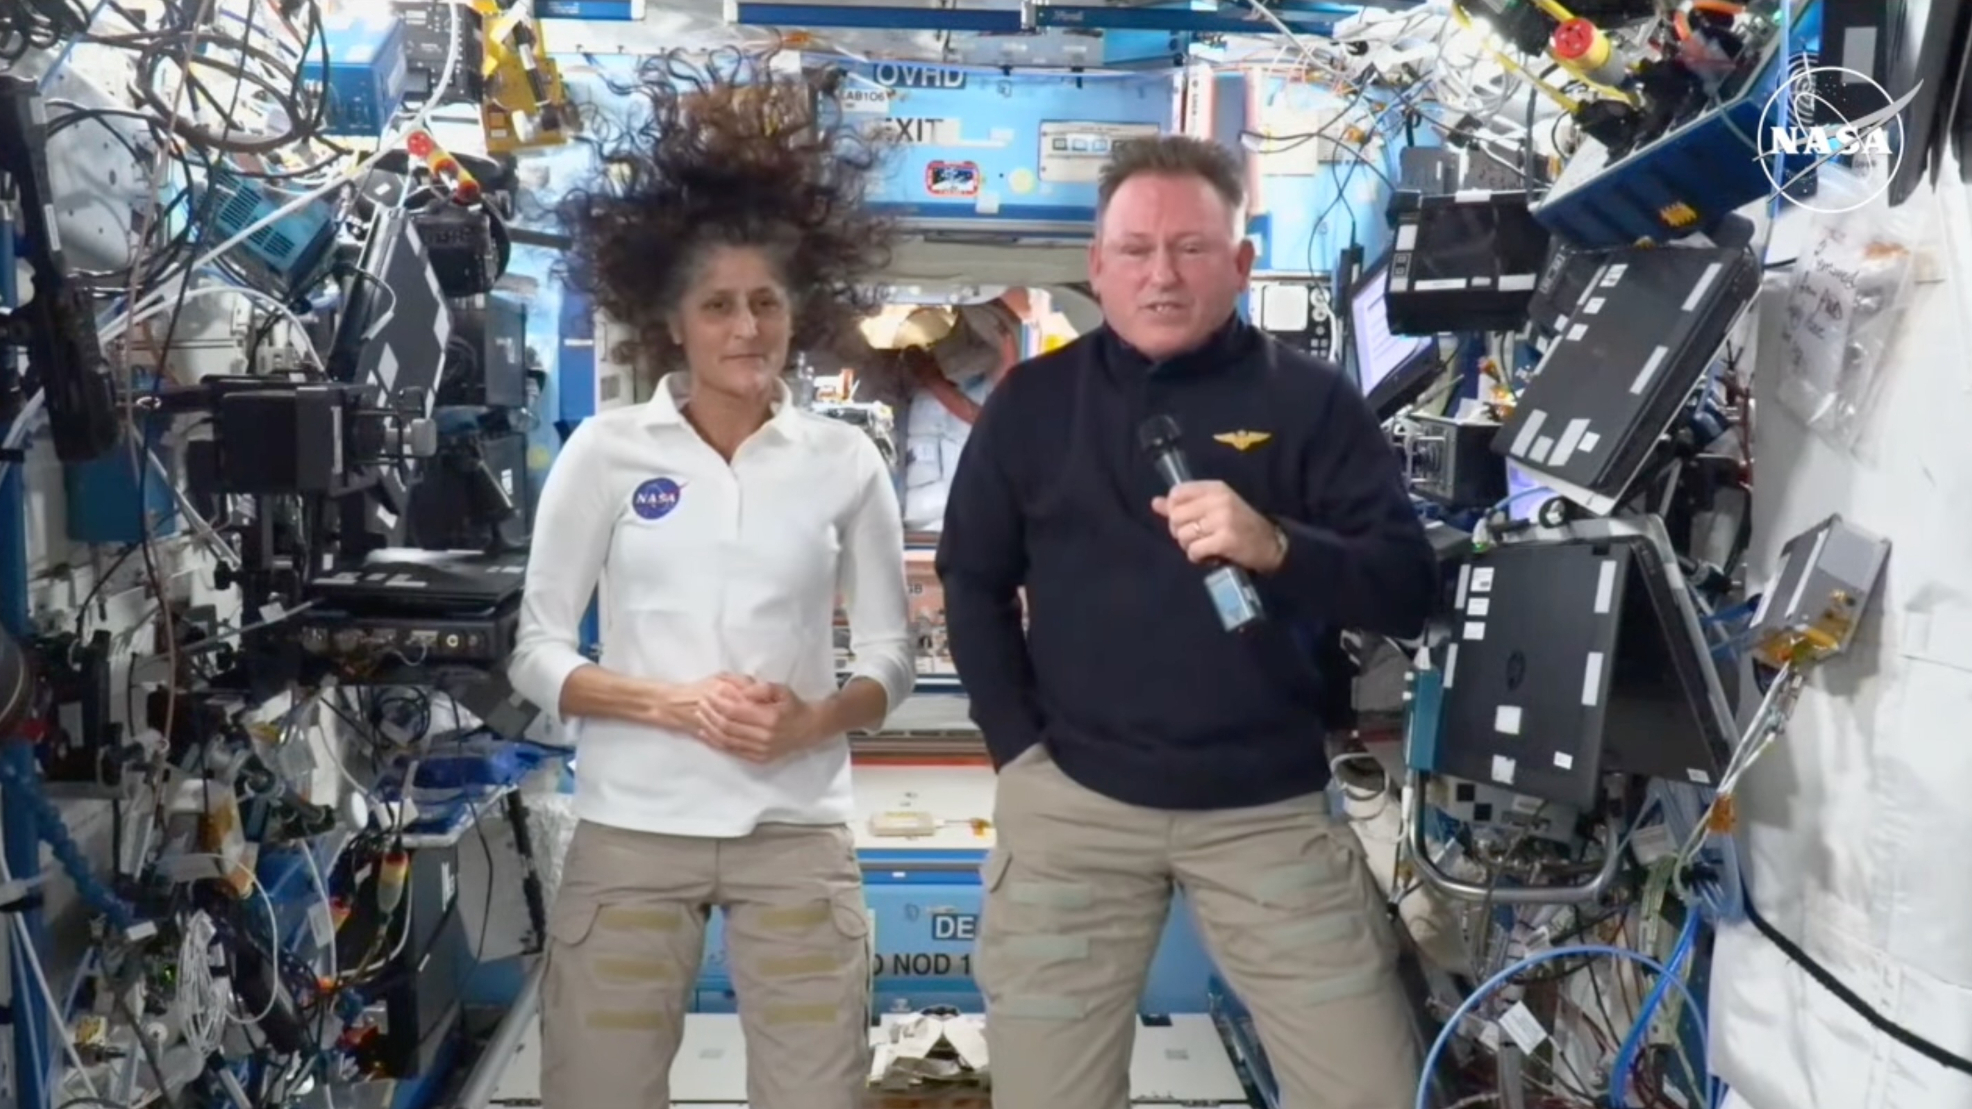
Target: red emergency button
{"x":1575,"y":41}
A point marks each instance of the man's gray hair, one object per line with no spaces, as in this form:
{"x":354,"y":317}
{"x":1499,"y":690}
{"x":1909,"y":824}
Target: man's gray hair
{"x":1174,"y":156}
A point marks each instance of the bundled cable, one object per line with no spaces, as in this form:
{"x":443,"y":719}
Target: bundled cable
{"x":247,"y":65}
{"x":38,"y":25}
{"x":25,"y":789}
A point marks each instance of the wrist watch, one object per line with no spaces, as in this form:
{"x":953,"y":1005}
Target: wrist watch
{"x":1280,"y":544}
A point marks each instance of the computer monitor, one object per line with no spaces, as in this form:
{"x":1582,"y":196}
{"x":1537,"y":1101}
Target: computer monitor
{"x":1390,"y":369}
{"x":1523,"y":491}
{"x":1579,"y":653}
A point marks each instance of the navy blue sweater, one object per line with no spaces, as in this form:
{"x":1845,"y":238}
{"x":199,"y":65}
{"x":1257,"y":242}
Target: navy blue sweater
{"x":1124,"y":670}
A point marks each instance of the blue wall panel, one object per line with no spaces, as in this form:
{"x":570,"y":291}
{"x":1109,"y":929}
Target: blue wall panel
{"x":1311,"y":218}
{"x":925,"y":908}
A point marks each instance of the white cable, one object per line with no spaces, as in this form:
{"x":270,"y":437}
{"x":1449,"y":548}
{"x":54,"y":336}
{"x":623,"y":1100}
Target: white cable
{"x":1768,"y":724}
{"x":404,"y":934}
{"x":200,"y":999}
{"x":17,"y":434}
{"x":403,"y":939}
{"x":172,"y":298}
{"x":273,"y":931}
{"x":208,"y":536}
{"x":33,"y":957}
{"x":322,"y":887}
{"x":143,"y":308}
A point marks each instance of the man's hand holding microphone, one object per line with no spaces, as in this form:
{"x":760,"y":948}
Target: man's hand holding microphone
{"x":1211,"y":522}
{"x":1214,"y":526}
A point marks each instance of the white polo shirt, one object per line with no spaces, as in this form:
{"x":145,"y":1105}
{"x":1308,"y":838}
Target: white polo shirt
{"x":704,"y":567}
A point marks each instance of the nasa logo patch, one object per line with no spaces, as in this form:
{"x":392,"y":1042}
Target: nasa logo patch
{"x":655,"y":498}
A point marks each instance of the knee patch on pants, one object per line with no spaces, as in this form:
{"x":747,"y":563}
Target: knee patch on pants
{"x":622,"y":968}
{"x":1055,"y":950}
{"x":1311,"y":925}
{"x":811,"y":961}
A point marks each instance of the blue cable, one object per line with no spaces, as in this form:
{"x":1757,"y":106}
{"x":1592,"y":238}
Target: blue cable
{"x":1718,"y":890}
{"x":26,"y":790}
{"x":1540,"y":490}
{"x":1619,"y":1074}
{"x":1722,"y":898}
{"x":1503,"y":977}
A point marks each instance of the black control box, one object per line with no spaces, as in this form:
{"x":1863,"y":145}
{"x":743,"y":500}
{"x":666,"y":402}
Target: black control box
{"x":479,"y":640}
{"x":1465,"y":262}
{"x":427,"y":40}
{"x":1452,"y":463}
{"x":486,"y":357}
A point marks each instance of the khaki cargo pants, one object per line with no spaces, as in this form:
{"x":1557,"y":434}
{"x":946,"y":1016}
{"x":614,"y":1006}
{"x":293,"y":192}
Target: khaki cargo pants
{"x":626,"y":937}
{"x":1078,"y":891}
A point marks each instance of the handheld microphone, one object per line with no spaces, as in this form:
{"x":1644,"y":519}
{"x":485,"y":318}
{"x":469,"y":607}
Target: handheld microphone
{"x":1231,"y":590}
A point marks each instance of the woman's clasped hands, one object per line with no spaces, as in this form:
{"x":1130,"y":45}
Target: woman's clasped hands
{"x":760,"y":722}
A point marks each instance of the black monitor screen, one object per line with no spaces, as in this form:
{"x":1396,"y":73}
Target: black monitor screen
{"x":1379,"y":354}
{"x":1459,"y":242}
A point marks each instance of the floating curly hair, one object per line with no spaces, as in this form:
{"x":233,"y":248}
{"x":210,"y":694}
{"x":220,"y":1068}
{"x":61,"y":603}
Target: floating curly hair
{"x":730,"y":153}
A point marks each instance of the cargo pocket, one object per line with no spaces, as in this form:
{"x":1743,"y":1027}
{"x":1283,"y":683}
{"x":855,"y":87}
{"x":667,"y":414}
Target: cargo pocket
{"x":1037,"y":753}
{"x":1311,"y":928}
{"x":993,"y":874}
{"x":852,"y":915}
{"x":569,"y":924}
{"x":986,"y":971}
{"x":854,"y":921}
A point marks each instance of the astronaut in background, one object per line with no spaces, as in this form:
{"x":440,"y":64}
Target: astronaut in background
{"x":951,"y":361}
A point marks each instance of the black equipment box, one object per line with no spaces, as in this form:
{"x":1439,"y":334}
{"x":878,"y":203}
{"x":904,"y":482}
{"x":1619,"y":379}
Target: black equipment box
{"x":420,"y":608}
{"x":423,"y":991}
{"x":1452,"y":463}
{"x":427,"y":40}
{"x":1465,"y":262}
{"x":481,"y":640}
{"x":406,"y":308}
{"x":1569,"y":273}
{"x":486,"y":357}
{"x":1637,"y":345}
{"x":474,"y":496}
{"x":280,"y":437}
{"x":463,"y":246}
{"x":1574,"y":655}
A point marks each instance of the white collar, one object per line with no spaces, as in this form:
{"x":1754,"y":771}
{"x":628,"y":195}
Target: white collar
{"x":667,"y":405}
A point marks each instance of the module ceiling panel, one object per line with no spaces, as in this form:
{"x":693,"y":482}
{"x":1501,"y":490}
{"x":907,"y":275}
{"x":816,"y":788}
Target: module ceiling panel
{"x":703,"y":24}
{"x":1142,"y":33}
